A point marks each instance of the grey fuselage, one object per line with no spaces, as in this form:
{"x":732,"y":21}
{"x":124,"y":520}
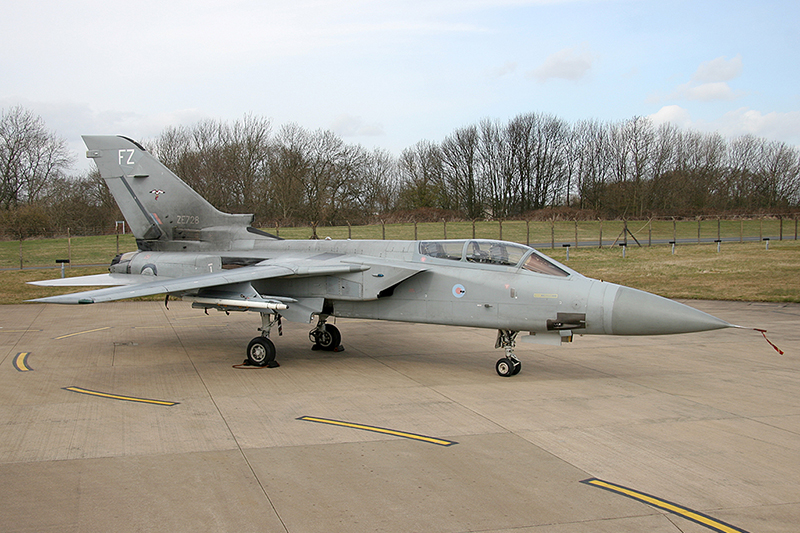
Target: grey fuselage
{"x":400,"y":283}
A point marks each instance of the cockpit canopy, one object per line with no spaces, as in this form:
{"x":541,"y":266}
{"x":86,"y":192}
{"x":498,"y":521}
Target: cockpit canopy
{"x":492,"y":253}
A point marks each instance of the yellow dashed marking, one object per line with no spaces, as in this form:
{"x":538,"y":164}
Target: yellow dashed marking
{"x":413,"y":436}
{"x":118,"y":397}
{"x":694,"y":516}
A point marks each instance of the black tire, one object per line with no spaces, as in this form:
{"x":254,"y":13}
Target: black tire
{"x":505,"y":367}
{"x":329,"y":339}
{"x":517,"y":368}
{"x":260,"y":352}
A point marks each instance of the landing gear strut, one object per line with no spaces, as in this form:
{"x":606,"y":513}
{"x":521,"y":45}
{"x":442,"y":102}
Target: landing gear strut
{"x":326,"y":336}
{"x":261,"y":350}
{"x":508,"y":365}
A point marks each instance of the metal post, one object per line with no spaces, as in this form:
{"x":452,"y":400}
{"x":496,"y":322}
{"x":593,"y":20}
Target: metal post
{"x":601,"y":234}
{"x":674,"y":231}
{"x":528,"y":232}
{"x":576,"y":236}
{"x":625,"y":236}
{"x":698,"y":230}
{"x":567,"y":247}
{"x":673,"y":247}
{"x":766,"y":240}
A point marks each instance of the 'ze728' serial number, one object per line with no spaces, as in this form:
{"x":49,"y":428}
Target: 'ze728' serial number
{"x":188,"y":219}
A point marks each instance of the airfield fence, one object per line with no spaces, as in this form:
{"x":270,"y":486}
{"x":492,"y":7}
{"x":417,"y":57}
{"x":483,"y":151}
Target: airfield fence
{"x":557,"y":233}
{"x":552,"y":234}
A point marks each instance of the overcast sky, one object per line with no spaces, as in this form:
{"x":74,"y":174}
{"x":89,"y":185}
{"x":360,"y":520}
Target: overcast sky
{"x":390,"y":73}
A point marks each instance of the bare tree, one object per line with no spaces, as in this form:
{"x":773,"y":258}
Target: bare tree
{"x":420,"y":175}
{"x":459,"y":155}
{"x":30,"y":157}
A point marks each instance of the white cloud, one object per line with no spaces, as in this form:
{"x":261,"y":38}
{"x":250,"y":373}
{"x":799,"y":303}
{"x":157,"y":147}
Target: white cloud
{"x":503,"y":70}
{"x":778,"y":126}
{"x":708,"y":84}
{"x":718,"y":70}
{"x":710,"y":92}
{"x":673,"y":114}
{"x":352,"y":126}
{"x":568,"y":64}
{"x":743,"y":121}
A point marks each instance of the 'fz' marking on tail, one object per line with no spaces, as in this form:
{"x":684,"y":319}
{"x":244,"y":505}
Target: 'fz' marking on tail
{"x":122,"y":157}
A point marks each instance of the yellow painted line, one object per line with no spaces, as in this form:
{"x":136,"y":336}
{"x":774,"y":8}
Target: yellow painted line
{"x":17,"y":330}
{"x":414,"y":436}
{"x":694,"y":516}
{"x":21,"y":362}
{"x":118,"y":397}
{"x":81,"y":333}
{"x":177,"y":327}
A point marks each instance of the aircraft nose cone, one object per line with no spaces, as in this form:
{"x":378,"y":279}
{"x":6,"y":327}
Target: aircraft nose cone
{"x":637,"y":312}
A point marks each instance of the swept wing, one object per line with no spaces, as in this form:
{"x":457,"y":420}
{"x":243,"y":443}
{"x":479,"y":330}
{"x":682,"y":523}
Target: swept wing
{"x":202,"y":281}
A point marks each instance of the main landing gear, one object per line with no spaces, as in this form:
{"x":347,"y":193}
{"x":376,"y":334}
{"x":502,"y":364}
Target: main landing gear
{"x":509,"y":365}
{"x":326,"y":336}
{"x":261,"y":350}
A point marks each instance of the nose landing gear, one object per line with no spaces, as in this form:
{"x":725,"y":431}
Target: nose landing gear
{"x":509,"y":365}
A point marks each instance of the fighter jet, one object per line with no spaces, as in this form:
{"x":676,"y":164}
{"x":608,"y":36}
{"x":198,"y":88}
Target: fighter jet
{"x":189,"y":249}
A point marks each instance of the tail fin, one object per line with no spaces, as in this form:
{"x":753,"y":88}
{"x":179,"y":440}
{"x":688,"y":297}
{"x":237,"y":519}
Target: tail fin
{"x":156,"y":203}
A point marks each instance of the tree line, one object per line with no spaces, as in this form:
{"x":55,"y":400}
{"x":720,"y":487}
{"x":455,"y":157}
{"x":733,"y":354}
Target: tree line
{"x":531,"y":164}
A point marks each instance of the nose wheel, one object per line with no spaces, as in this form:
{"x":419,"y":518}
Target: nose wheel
{"x":509,"y":365}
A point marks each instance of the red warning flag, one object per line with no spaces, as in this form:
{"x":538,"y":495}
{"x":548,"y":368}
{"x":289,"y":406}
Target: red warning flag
{"x":764,"y":334}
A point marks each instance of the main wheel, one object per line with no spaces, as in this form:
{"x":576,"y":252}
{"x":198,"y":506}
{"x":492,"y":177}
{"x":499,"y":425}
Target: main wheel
{"x":505,"y":367}
{"x":260,"y":351}
{"x":328,"y":339}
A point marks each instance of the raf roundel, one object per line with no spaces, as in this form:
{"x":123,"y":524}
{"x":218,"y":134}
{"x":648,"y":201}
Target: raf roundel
{"x":459,"y":290}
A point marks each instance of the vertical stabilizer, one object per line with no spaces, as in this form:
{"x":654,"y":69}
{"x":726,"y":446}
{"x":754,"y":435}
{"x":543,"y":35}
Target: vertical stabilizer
{"x":156,"y":203}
